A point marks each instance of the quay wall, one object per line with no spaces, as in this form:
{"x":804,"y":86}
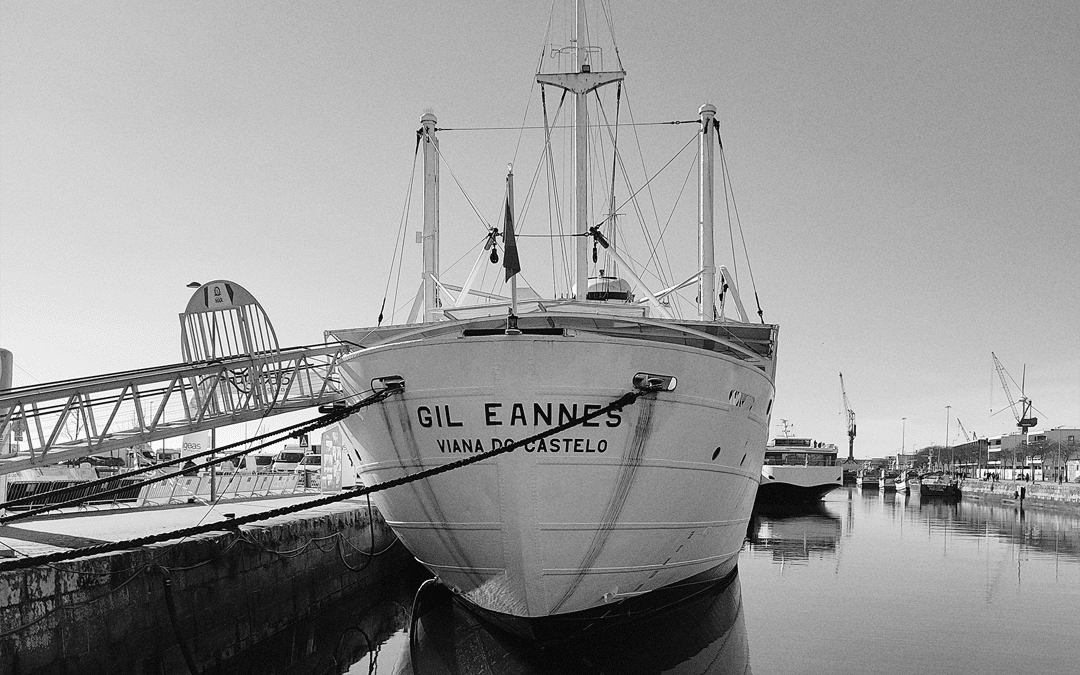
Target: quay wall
{"x":203,"y":599}
{"x":1038,"y":493}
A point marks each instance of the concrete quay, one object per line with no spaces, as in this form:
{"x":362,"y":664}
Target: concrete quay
{"x":185,"y":605}
{"x":1039,"y":493}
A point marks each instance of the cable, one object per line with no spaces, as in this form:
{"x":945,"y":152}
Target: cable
{"x":22,"y":563}
{"x":170,"y":603}
{"x":293,"y":431}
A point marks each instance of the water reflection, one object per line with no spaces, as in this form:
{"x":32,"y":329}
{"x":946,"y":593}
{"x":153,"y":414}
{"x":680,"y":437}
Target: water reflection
{"x":705,"y":633}
{"x":337,"y":639}
{"x":794,"y":535}
{"x":961,"y":577}
{"x":1047,"y":531}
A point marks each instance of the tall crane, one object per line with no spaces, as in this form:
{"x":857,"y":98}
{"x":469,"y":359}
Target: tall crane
{"x":850,"y":420}
{"x":967,"y":439}
{"x":1024,"y":420}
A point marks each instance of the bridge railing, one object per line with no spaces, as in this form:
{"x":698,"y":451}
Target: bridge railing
{"x":66,"y":420}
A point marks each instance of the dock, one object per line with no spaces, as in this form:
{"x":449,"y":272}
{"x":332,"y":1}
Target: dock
{"x":186,"y":605}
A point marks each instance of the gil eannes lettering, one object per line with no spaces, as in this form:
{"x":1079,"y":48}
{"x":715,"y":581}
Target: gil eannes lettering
{"x":518,"y":414}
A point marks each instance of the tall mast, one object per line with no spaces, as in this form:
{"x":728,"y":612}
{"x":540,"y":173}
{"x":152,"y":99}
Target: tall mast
{"x":581,"y":165}
{"x":580,"y":83}
{"x":431,"y":215}
{"x":706,"y":251}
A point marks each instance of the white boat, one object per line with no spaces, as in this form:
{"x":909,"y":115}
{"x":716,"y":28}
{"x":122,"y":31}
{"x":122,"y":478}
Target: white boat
{"x":907,"y":482}
{"x":798,"y":470}
{"x":635,"y":501}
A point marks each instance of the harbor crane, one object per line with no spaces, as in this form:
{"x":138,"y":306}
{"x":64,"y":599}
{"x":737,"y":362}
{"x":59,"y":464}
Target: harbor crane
{"x":850,"y":420}
{"x":1024,"y":420}
{"x":963,"y":430}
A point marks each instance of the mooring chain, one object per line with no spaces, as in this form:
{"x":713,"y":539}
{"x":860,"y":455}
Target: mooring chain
{"x":293,"y":431}
{"x":233,"y":523}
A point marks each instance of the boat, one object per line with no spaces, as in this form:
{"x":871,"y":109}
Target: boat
{"x":887,"y":481}
{"x":653,"y":495}
{"x":798,"y":470}
{"x":907,"y":481}
{"x":867,"y":480}
{"x":939,"y":484}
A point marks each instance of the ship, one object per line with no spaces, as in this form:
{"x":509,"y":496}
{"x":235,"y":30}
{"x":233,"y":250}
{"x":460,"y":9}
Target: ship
{"x":617,"y":509}
{"x":798,"y":470}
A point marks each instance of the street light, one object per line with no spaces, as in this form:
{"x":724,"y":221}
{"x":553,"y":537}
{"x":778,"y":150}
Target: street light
{"x":213,"y":436}
{"x":948,"y":409}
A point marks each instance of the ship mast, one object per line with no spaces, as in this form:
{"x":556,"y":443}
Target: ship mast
{"x":431,"y":215}
{"x":580,"y":83}
{"x":706,"y":250}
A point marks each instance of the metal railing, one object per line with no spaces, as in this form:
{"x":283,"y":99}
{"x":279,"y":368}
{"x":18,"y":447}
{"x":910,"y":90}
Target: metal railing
{"x":74,"y":418}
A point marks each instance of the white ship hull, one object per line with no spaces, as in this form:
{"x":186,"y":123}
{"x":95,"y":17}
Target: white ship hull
{"x":792,"y":484}
{"x":632,"y":502}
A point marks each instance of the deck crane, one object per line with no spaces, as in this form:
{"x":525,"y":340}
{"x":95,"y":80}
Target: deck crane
{"x":850,"y":420}
{"x":1024,"y":420}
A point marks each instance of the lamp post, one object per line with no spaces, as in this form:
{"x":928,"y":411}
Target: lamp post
{"x":213,"y":437}
{"x":903,"y":435}
{"x":948,"y":409}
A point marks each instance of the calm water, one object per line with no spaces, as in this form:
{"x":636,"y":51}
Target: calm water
{"x":864,"y":583}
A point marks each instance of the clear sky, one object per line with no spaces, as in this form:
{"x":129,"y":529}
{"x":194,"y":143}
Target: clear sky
{"x":907,"y":175}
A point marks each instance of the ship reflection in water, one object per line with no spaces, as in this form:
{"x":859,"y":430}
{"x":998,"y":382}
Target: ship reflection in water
{"x":980,"y":570}
{"x":794,"y":535}
{"x":704,"y":633}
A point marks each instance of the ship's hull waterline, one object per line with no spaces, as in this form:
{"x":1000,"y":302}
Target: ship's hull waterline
{"x":630,"y":502}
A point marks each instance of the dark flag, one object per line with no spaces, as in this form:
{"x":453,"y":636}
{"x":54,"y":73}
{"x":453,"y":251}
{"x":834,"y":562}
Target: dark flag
{"x":510,"y":252}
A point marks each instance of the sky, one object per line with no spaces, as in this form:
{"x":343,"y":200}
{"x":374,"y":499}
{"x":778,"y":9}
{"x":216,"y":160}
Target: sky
{"x":907,"y":178}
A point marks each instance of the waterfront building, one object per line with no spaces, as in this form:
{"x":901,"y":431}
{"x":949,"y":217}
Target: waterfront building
{"x":1045,"y":454}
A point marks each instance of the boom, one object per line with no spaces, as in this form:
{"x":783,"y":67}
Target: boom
{"x":1024,"y":420}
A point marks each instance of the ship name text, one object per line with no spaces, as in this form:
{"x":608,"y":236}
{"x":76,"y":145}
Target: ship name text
{"x":518,"y":414}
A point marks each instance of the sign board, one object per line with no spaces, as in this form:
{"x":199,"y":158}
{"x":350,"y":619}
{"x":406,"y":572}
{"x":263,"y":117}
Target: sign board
{"x":332,"y":450}
{"x":195,"y":443}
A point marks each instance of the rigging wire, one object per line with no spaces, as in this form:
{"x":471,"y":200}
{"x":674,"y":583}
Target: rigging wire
{"x":652,"y":198}
{"x":614,"y":160}
{"x":566,"y":127}
{"x":553,"y":195}
{"x":729,"y":186}
{"x":400,"y":239}
{"x":608,"y":15}
{"x":465,"y":194}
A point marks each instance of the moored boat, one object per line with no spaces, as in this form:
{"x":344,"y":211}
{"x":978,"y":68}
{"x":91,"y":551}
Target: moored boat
{"x":867,"y":480}
{"x":650,"y":494}
{"x":887,"y":481}
{"x":798,"y":470}
{"x":907,"y":481}
{"x":938,"y":484}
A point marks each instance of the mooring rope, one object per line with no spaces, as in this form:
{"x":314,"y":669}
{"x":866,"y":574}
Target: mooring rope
{"x":233,"y":523}
{"x":292,"y":431}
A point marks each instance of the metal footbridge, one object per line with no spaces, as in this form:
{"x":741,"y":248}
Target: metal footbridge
{"x":233,"y":372}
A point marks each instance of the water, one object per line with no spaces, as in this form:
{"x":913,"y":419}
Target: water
{"x":864,"y":583}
